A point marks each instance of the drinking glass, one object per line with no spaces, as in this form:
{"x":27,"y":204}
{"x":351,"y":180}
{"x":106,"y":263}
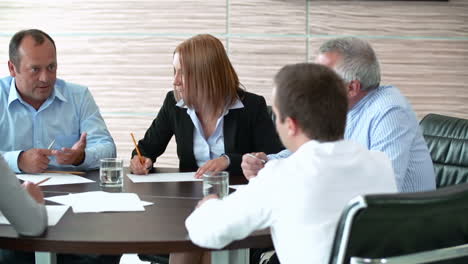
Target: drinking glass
{"x":111,"y":172}
{"x":216,"y":183}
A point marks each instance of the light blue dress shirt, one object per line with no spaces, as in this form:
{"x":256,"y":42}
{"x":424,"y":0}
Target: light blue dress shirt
{"x":207,"y":149}
{"x":384,"y":120}
{"x":68,"y":112}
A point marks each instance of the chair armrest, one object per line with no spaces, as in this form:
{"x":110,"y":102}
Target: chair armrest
{"x":418,"y":258}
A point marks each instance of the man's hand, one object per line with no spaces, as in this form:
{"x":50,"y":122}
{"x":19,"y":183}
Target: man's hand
{"x":217,"y":164}
{"x":74,"y":155}
{"x":34,"y":191}
{"x":250,"y":165}
{"x":34,"y":160}
{"x":206,"y":198}
{"x":139,"y":167}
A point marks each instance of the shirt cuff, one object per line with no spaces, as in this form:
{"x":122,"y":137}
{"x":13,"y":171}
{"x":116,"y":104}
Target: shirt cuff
{"x":227,"y":157}
{"x":280,"y":155}
{"x":11,"y":158}
{"x":90,"y":161}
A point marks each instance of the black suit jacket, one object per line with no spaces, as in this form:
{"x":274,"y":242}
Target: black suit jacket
{"x":247,"y":129}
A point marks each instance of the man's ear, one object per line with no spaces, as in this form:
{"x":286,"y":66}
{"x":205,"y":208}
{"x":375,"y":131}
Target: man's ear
{"x":354,"y":88}
{"x":12,"y":69}
{"x":292,"y":126}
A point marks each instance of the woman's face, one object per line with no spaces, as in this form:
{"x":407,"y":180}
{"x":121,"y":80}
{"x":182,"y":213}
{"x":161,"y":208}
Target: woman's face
{"x":178,"y":81}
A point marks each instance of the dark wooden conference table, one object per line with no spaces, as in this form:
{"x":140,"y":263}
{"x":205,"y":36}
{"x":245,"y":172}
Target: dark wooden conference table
{"x":159,"y":229}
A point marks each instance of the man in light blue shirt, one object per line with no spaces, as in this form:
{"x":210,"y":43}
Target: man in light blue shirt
{"x":379,"y":117}
{"x":47,"y":122}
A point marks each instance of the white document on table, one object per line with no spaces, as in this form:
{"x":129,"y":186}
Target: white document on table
{"x":238,"y":186}
{"x":68,"y":200}
{"x":99,"y":201}
{"x":164,"y":177}
{"x":55,"y":178}
{"x":61,"y":199}
{"x":145,"y":203}
{"x":54,"y":214}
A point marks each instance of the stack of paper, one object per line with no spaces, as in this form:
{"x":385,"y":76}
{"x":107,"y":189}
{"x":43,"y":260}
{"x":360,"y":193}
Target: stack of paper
{"x":54,"y":214}
{"x":55,"y":178}
{"x":99,"y":201}
{"x":164,"y":177}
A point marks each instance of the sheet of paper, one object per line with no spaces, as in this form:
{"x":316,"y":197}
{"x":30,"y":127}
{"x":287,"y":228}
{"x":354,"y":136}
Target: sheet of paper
{"x":145,"y":203}
{"x":237,"y":187}
{"x":95,"y":202}
{"x":61,"y":199}
{"x":99,"y":201}
{"x":164,"y":177}
{"x":55,"y":178}
{"x":67,"y":200}
{"x":54,"y":214}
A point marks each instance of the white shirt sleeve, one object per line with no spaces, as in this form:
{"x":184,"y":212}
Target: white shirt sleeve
{"x":218,"y":222}
{"x":28,"y":217}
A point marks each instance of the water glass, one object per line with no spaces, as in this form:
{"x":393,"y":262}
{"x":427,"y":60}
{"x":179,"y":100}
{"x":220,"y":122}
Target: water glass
{"x":111,"y":172}
{"x":216,"y":183}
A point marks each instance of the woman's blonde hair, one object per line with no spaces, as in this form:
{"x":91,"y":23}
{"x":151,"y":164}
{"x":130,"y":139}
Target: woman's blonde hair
{"x":211,"y":83}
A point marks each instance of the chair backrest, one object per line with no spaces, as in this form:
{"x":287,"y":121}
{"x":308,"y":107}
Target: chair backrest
{"x":447,"y":139}
{"x":386,"y":225}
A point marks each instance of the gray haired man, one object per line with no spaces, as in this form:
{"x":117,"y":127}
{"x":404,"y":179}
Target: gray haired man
{"x":379,"y":117}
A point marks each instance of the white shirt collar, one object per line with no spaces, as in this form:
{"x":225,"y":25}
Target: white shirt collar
{"x":237,"y":104}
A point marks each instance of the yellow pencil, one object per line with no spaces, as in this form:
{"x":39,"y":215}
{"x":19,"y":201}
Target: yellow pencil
{"x":44,"y":180}
{"x":137,"y":149}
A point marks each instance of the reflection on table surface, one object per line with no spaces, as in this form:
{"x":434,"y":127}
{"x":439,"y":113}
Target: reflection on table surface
{"x":160,"y":189}
{"x":159,"y":229}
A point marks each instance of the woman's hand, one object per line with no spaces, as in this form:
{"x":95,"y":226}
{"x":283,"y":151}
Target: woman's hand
{"x":139,"y":167}
{"x":218,"y":164}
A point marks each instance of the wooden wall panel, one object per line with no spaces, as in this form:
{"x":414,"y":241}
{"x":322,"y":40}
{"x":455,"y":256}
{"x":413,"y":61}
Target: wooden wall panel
{"x":109,"y":17}
{"x":134,"y":71}
{"x":389,"y":18}
{"x":268,"y":17}
{"x":258,"y":59}
{"x":422,"y":46}
{"x":433,"y":76}
{"x":122,"y":50}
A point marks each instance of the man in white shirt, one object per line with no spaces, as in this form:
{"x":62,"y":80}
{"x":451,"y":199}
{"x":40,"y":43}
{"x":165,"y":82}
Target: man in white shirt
{"x":324,"y":173}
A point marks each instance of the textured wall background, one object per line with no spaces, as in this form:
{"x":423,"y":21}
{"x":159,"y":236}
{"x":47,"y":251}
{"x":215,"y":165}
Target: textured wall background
{"x":122,"y":50}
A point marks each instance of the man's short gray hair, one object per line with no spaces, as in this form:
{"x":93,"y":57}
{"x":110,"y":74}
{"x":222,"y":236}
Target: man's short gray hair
{"x":358,"y":61}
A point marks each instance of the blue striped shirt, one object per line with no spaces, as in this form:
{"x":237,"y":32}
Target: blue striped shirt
{"x":384,"y":120}
{"x":69,"y":111}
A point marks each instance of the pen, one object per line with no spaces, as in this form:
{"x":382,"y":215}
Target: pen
{"x":137,"y":149}
{"x":253,"y":156}
{"x":44,"y":180}
{"x":51,"y":144}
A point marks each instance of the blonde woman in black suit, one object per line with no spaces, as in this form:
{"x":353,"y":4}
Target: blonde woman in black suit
{"x":213,"y":119}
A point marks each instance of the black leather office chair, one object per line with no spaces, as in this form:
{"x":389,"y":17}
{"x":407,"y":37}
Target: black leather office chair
{"x":447,"y":139}
{"x":429,"y":225}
